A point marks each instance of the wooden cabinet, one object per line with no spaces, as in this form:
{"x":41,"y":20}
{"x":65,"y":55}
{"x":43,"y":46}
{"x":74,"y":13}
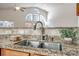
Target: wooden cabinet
{"x":8,"y":52}
{"x":0,"y":51}
{"x":77,"y":9}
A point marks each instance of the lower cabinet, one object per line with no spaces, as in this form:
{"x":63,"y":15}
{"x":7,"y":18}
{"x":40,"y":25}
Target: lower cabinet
{"x":9,"y":52}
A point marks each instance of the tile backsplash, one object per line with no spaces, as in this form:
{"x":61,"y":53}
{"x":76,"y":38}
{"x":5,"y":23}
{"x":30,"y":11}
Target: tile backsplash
{"x":48,"y":31}
{"x":30,"y":33}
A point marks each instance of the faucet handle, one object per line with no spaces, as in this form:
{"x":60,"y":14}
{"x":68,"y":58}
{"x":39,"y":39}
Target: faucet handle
{"x":45,"y":37}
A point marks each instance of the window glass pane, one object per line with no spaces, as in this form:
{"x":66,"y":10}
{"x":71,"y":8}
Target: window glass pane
{"x":6,"y":24}
{"x":42,"y":19}
{"x":28,"y":17}
{"x":1,"y":24}
{"x":35,"y":17}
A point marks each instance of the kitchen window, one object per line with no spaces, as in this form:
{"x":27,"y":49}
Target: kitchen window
{"x":36,"y":15}
{"x":6,"y":24}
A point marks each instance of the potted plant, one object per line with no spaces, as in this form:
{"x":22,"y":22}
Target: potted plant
{"x":68,"y":34}
{"x":76,"y":41}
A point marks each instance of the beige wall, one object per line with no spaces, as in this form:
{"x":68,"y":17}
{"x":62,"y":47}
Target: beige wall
{"x":59,"y":15}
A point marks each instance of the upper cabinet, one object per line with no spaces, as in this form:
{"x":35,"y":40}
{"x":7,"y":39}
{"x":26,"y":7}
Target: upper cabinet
{"x":77,"y":9}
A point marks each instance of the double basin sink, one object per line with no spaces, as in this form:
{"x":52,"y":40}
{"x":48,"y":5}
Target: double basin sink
{"x":41,"y":44}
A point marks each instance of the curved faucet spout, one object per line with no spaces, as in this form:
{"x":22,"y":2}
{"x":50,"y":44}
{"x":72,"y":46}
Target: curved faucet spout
{"x":37,"y":23}
{"x":42,"y":28}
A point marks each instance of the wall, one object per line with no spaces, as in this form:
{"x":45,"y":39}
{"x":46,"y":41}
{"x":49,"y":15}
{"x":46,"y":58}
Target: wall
{"x":59,"y":15}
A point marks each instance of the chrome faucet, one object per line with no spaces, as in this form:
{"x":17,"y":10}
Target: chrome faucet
{"x":42,"y":29}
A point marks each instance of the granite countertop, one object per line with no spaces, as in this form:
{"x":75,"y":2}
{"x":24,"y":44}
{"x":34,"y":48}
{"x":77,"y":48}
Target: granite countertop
{"x":68,"y":50}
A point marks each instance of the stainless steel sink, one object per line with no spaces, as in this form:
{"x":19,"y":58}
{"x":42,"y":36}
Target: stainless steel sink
{"x":35,"y":44}
{"x":39,"y":44}
{"x":54,"y":45}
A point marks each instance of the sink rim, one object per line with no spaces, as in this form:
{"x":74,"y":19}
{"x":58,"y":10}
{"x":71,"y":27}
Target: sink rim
{"x":36,"y":46}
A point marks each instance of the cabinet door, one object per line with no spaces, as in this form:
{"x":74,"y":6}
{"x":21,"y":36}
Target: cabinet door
{"x":8,"y":52}
{"x":0,"y":51}
{"x":77,"y":9}
{"x":32,"y":54}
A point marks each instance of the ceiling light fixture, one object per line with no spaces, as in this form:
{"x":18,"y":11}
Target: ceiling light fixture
{"x":20,"y":9}
{"x":17,"y":8}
